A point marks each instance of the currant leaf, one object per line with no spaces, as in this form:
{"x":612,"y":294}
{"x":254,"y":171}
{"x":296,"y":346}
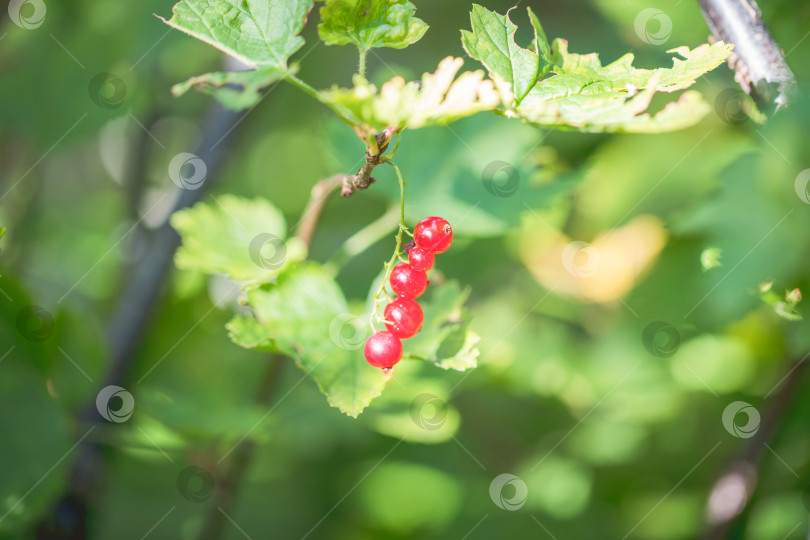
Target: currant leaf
{"x":255,"y":32}
{"x":445,"y":339}
{"x":577,"y":91}
{"x":441,"y":98}
{"x":370,"y":23}
{"x":492,"y":42}
{"x":241,"y":238}
{"x":298,"y":314}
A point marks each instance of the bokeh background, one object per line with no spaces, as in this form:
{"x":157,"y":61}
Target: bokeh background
{"x":602,"y":384}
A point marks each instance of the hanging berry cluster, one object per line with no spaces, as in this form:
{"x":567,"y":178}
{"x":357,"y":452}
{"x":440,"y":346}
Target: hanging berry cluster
{"x":403,"y":317}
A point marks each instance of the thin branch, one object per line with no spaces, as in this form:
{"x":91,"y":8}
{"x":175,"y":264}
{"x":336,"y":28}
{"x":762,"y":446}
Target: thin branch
{"x":759,"y":64}
{"x":733,"y":490}
{"x":317,"y":199}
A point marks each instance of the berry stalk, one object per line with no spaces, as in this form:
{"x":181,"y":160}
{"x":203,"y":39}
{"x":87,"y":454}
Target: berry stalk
{"x":389,"y":266}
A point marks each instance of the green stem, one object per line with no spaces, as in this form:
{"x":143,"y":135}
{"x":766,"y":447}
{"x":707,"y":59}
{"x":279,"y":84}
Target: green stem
{"x":389,"y":266}
{"x":295,"y":81}
{"x":362,"y":69}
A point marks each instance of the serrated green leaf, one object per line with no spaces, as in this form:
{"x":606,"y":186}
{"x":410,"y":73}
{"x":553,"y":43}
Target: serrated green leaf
{"x":492,"y":42}
{"x":584,"y":73}
{"x":298,"y":314}
{"x":587,"y":96}
{"x":581,"y":93}
{"x":440,"y":99}
{"x":256,"y":32}
{"x":236,"y":90}
{"x":444,"y":338}
{"x":370,"y":23}
{"x":241,"y":238}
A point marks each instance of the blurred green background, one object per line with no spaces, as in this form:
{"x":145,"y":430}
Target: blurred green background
{"x":615,"y":433}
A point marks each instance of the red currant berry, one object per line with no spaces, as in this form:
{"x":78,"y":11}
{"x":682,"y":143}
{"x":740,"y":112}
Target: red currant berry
{"x":433,"y":234}
{"x":406,"y":317}
{"x":383,"y":350}
{"x":421,"y":259}
{"x":407,"y":281}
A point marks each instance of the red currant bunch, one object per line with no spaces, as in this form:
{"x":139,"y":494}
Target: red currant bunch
{"x":403,"y":316}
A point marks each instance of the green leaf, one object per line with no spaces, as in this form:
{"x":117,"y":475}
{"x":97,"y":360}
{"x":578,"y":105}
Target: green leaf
{"x":584,"y":73}
{"x":581,"y":93}
{"x":492,"y":42}
{"x":256,"y":32}
{"x":241,"y":238}
{"x":441,"y":98}
{"x":299,"y":314}
{"x":370,"y":23}
{"x":590,"y":97}
{"x":236,"y":90}
{"x":444,"y":338}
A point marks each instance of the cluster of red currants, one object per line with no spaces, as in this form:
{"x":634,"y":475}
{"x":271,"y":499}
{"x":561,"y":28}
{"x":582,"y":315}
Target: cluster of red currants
{"x":403,"y":316}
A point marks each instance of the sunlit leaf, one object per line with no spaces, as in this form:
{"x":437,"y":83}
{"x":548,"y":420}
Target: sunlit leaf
{"x":255,"y":32}
{"x":441,"y":98}
{"x":370,"y":23}
{"x":241,"y":238}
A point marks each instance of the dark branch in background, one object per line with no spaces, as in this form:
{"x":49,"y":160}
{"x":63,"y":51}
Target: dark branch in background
{"x":733,"y":490}
{"x":128,"y":324}
{"x":227,"y":485}
{"x":758,"y":62}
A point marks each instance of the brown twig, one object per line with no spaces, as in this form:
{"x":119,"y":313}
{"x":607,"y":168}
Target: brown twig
{"x":736,"y":485}
{"x":376,"y":147}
